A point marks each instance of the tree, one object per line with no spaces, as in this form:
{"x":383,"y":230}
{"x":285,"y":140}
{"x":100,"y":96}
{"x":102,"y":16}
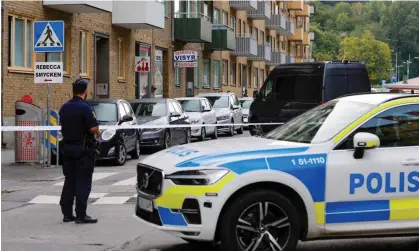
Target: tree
{"x":375,"y":54}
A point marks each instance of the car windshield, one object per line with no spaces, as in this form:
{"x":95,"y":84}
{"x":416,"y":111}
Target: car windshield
{"x":105,"y":112}
{"x":320,"y":124}
{"x":191,"y":105}
{"x":245,"y":103}
{"x":150,"y":109}
{"x":219,"y":102}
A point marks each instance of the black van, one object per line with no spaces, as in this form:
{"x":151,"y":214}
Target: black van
{"x":292,"y":89}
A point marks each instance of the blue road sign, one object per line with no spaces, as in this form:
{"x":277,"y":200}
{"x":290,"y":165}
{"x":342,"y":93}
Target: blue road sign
{"x":393,"y":78}
{"x":48,"y":36}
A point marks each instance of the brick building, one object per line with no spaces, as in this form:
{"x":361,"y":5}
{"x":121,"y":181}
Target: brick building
{"x":238,"y":43}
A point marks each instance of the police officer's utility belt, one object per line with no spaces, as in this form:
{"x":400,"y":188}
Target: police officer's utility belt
{"x":74,"y":149}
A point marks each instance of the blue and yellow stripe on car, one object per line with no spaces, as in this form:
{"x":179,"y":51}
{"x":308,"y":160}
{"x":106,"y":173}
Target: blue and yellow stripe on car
{"x":174,"y":196}
{"x":371,"y":210}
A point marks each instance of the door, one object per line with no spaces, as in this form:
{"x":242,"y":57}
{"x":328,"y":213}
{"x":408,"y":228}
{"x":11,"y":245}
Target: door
{"x":130,"y":133}
{"x":181,"y":121}
{"x":101,"y":66}
{"x":124,"y":132}
{"x":383,"y":186}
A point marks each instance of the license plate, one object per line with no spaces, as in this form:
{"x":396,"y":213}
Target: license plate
{"x":145,"y":204}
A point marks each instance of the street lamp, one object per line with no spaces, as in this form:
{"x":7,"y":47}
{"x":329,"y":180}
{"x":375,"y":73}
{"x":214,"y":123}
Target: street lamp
{"x":408,"y":62}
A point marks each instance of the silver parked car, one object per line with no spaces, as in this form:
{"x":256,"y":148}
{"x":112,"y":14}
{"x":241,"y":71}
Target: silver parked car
{"x":228,"y":111}
{"x":245,"y":105}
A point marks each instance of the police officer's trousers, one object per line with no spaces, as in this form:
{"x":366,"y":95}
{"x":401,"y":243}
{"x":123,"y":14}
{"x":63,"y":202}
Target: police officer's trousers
{"x":78,"y":174}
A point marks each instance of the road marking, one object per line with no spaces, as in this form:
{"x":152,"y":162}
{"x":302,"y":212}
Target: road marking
{"x":45,"y":199}
{"x":97,"y":195}
{"x":111,"y":200}
{"x":127,"y":182}
{"x":96,"y":176}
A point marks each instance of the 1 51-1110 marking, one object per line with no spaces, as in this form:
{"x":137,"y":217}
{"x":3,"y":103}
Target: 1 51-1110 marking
{"x":308,"y":161}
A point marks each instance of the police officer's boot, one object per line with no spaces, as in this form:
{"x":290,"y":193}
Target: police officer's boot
{"x":85,"y":219}
{"x":69,"y":218}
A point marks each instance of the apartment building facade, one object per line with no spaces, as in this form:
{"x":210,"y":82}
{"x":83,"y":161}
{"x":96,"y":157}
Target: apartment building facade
{"x":237,"y":43}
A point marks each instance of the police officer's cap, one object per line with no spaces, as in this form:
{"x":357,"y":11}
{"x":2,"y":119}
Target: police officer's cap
{"x":80,"y":85}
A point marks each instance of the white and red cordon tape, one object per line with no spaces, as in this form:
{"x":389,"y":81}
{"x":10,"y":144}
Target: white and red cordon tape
{"x":116,"y":127}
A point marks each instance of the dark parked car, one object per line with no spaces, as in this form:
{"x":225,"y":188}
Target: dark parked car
{"x":161,"y":112}
{"x":292,"y":89}
{"x":119,"y":143}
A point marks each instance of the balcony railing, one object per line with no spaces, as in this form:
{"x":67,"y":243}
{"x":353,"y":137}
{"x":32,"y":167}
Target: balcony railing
{"x":311,"y":9}
{"x":312,"y":36}
{"x":290,"y":27}
{"x":248,"y":5}
{"x":277,"y":58}
{"x":277,"y":23}
{"x":263,"y":11}
{"x":80,"y":6}
{"x":137,"y":14}
{"x":263,"y":53}
{"x":246,"y":46}
{"x":223,"y":38}
{"x":193,"y":27}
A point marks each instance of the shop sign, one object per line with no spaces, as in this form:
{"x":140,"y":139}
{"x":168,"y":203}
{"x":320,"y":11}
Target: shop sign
{"x":142,"y":64}
{"x":186,"y":64}
{"x":185,"y":56}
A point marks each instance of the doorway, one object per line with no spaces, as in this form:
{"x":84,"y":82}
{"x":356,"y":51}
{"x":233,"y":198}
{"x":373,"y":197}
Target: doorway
{"x":142,"y":79}
{"x":190,"y":79}
{"x":101,"y":61}
{"x":244,"y":79}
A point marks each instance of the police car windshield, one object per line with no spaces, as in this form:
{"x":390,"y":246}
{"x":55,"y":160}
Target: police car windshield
{"x":151,"y":109}
{"x":105,"y":112}
{"x":219,"y":102}
{"x":321,"y":123}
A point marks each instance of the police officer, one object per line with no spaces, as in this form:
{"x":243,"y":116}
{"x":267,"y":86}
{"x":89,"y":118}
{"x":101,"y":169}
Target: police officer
{"x":79,"y":127}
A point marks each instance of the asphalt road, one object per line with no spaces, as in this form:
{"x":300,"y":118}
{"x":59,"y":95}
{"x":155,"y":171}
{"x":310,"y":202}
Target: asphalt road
{"x":31,"y":217}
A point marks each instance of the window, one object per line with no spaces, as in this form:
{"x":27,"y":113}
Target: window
{"x":166,"y":8}
{"x":84,"y":53}
{"x":105,"y":112}
{"x":20,"y":42}
{"x":396,"y":127}
{"x":207,"y":72}
{"x":254,"y":33}
{"x":177,"y":106}
{"x":232,"y":73}
{"x":196,"y":75}
{"x":121,"y":58}
{"x":255,"y":78}
{"x":151,"y":109}
{"x":171,"y":107}
{"x":233,"y":22}
{"x":191,"y":105}
{"x":64,"y":56}
{"x":178,"y":73}
{"x":208,"y":104}
{"x":128,"y":108}
{"x":219,"y":101}
{"x":216,"y":18}
{"x":225,"y":72}
{"x":225,"y":17}
{"x":216,"y":74}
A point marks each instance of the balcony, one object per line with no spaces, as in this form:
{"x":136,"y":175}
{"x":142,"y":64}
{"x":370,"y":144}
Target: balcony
{"x":246,"y":46}
{"x":305,"y":12}
{"x":137,"y":14}
{"x":290,"y":27}
{"x":263,"y":54}
{"x":290,"y":59}
{"x":277,"y":23}
{"x":248,"y":5}
{"x":223,"y":38}
{"x":193,"y":28}
{"x":306,"y":38}
{"x":263,"y":12}
{"x":311,"y":10}
{"x":80,"y":6}
{"x":296,"y":5}
{"x":277,"y":58}
{"x":298,"y":36}
{"x":312,"y":35}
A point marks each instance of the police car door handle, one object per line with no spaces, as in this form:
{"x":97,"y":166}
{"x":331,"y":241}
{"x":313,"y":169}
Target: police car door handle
{"x":411,"y":162}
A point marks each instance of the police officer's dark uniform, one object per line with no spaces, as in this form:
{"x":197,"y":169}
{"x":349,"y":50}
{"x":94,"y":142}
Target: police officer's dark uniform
{"x":77,"y":119}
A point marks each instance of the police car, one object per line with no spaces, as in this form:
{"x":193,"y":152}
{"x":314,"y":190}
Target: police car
{"x":347,"y":168}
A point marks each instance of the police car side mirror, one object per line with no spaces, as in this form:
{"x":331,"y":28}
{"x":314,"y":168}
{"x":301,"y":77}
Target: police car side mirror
{"x":125,"y":118}
{"x":363,"y":141}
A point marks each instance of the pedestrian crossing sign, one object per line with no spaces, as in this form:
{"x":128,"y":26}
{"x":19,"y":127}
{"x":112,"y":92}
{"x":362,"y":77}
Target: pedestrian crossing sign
{"x":48,"y":36}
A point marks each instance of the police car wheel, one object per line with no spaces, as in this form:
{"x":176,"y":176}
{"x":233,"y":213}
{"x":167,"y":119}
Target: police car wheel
{"x":135,"y":154}
{"x":203,"y":134}
{"x":260,"y":220}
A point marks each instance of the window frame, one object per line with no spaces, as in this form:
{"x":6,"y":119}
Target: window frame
{"x":217,"y":77}
{"x":122,"y":58}
{"x":88,"y":46}
{"x":224,"y":72}
{"x":349,"y":134}
{"x":224,"y":14}
{"x":207,"y":77}
{"x":233,"y":73}
{"x":11,"y":45}
{"x":216,"y":20}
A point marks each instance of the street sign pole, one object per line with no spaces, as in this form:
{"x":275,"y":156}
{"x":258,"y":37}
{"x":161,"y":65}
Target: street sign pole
{"x":48,"y":122}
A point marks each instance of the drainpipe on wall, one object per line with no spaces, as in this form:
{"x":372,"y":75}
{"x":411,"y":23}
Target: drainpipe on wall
{"x":3,"y":144}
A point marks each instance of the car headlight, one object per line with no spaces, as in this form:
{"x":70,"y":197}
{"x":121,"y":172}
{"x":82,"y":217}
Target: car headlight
{"x":197,"y":177}
{"x":108,"y":134}
{"x":223,"y":117}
